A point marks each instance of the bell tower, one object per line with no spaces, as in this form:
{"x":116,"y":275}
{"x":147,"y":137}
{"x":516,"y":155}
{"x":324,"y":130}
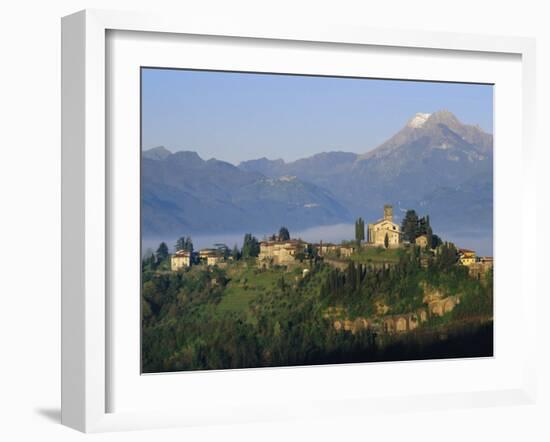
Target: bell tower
{"x":388,"y":213}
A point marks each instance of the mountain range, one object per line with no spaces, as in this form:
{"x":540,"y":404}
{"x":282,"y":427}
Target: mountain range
{"x":434,"y":164}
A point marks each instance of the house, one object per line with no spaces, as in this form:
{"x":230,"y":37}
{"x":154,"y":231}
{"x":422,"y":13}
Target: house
{"x":280,"y":252}
{"x":326,"y":248}
{"x":482,"y":266}
{"x":181,"y":259}
{"x":335,"y":250}
{"x":211,"y":257}
{"x":385,"y":227}
{"x":347,"y":250}
{"x":487,"y":260}
{"x":466,"y":257}
{"x":422,"y":241}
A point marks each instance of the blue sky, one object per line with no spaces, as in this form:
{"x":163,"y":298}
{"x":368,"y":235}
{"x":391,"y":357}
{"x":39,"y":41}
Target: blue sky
{"x":239,"y":116}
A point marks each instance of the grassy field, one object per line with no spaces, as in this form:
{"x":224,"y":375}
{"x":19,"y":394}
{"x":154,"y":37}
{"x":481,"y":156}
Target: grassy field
{"x":246,"y":284}
{"x":377,"y":255}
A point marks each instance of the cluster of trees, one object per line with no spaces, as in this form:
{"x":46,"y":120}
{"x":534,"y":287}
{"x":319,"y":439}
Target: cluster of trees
{"x":184,"y":243}
{"x":359,"y":286}
{"x":249,"y":249}
{"x":400,"y":285}
{"x":162,"y":252}
{"x":251,"y":246}
{"x":164,"y":293}
{"x":283,"y":235}
{"x":184,"y":330}
{"x":412,"y":227}
{"x":344,"y":284}
{"x":222,"y":250}
{"x":154,"y":259}
{"x":445,"y":258}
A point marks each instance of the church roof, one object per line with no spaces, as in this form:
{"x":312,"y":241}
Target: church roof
{"x":383,"y":220}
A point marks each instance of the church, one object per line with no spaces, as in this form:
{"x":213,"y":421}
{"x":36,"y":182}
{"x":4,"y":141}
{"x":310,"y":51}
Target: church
{"x":377,"y":231}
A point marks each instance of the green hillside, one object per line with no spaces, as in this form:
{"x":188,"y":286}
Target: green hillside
{"x":245,"y":316}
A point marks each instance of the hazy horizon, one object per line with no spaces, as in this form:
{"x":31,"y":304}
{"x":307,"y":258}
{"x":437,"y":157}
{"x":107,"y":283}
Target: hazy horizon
{"x":333,"y":233}
{"x":236,"y":117}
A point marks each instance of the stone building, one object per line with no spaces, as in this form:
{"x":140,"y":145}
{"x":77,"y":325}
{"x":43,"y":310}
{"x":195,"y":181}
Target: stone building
{"x":466,"y":257}
{"x":482,"y":266}
{"x":326,"y":248}
{"x":211,"y":257}
{"x":347,"y":250}
{"x":180,"y":260}
{"x":280,"y":252}
{"x":355,"y":326}
{"x":377,"y":231}
{"x":335,"y":250}
{"x":404,"y":322}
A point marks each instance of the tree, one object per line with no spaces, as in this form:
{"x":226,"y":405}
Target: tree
{"x":236,"y":253}
{"x":149,"y":260}
{"x":251,"y":247}
{"x":447,"y":256}
{"x":309,"y":251}
{"x":162,"y":252}
{"x":436,"y":241}
{"x":409,"y":226}
{"x":284,"y":234}
{"x":386,"y":241}
{"x":222,"y":249}
{"x":359,"y":230}
{"x":429,"y":236}
{"x":184,"y":244}
{"x":180,"y":244}
{"x":423,"y":226}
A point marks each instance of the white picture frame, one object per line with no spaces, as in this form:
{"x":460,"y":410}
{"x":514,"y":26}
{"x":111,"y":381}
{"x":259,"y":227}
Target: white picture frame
{"x":86,"y":206}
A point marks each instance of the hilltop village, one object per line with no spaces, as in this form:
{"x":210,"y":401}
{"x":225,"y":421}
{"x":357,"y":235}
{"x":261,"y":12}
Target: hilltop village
{"x":393,"y":292}
{"x":381,"y":245}
{"x":282,"y":250}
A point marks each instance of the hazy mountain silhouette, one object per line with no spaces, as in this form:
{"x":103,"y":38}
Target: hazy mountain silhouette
{"x":434,"y":164}
{"x":182,"y":193}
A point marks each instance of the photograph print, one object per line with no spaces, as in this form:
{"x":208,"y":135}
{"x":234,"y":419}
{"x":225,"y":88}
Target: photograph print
{"x":291,"y":220}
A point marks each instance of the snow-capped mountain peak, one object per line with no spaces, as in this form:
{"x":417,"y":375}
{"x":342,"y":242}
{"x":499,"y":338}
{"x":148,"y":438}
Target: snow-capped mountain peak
{"x":418,"y":120}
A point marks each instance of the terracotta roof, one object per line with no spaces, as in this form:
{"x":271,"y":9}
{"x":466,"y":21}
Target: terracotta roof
{"x":182,"y":253}
{"x":205,"y":252}
{"x":290,"y":241}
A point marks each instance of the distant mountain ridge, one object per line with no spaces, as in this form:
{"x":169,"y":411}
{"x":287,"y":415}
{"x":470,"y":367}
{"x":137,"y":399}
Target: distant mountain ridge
{"x":432,"y":153}
{"x":182,"y":193}
{"x":434,"y":164}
